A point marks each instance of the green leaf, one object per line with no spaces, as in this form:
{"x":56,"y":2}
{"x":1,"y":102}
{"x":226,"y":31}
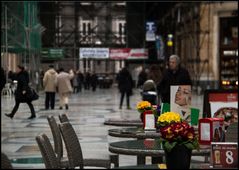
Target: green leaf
{"x":189,"y":145}
{"x":169,"y":146}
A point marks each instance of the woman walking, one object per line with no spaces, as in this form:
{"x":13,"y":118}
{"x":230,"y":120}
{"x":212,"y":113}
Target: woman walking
{"x":64,"y":87}
{"x":21,"y":91}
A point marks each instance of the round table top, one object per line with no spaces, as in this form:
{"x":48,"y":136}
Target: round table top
{"x":148,"y":147}
{"x":124,"y":122}
{"x":134,"y":132}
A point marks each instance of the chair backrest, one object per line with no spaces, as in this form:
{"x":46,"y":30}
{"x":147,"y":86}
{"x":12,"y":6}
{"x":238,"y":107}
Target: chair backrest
{"x":5,"y":162}
{"x":231,"y":134}
{"x":72,"y":144}
{"x":47,"y":152}
{"x":58,"y":145}
{"x":63,"y":118}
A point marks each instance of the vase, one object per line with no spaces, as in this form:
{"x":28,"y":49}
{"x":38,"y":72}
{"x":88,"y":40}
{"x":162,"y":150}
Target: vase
{"x":178,"y":158}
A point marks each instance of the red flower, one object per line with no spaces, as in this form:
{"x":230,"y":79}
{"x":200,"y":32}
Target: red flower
{"x":167,"y":132}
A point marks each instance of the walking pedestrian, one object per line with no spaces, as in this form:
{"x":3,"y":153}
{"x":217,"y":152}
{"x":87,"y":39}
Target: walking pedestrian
{"x":49,"y":83}
{"x":75,"y":83}
{"x":20,"y":93}
{"x":80,"y":78}
{"x":93,"y":81}
{"x":125,"y":85}
{"x":64,"y":87}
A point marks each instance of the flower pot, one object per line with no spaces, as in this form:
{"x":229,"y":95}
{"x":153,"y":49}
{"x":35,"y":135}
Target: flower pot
{"x":178,"y":158}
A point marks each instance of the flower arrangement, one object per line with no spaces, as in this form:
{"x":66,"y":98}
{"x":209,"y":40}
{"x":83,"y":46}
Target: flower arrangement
{"x":143,"y":106}
{"x":174,"y":131}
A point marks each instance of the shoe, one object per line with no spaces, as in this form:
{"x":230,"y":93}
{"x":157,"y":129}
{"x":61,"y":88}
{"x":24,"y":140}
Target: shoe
{"x":31,"y":117}
{"x":120,"y":107}
{"x":67,"y":107}
{"x":9,"y":115}
{"x":60,"y":108}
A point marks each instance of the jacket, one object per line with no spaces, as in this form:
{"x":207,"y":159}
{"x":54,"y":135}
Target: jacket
{"x":64,"y":82}
{"x":49,"y":80}
{"x":22,"y":85}
{"x":180,"y":77}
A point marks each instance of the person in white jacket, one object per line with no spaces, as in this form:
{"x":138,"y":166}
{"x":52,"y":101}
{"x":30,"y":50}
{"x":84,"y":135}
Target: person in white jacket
{"x":64,"y":87}
{"x":49,"y":83}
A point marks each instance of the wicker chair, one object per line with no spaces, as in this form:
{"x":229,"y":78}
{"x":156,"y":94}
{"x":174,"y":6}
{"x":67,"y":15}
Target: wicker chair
{"x":113,"y":157}
{"x":63,"y":118}
{"x":5,"y":162}
{"x":47,"y":152}
{"x":74,"y":151}
{"x":58,"y":145}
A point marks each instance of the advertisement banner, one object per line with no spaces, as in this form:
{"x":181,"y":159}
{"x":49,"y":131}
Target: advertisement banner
{"x":138,"y":53}
{"x":96,"y":53}
{"x":128,"y":53}
{"x":159,"y":47}
{"x":119,"y":53}
{"x":150,"y":31}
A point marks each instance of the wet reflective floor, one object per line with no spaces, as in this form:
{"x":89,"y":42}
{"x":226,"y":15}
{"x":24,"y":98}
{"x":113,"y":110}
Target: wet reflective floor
{"x":87,"y":112}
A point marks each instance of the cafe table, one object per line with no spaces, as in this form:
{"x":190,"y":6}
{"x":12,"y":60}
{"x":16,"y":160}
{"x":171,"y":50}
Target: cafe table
{"x":133,"y":132}
{"x":124,"y":122}
{"x":139,"y":133}
{"x":148,"y":147}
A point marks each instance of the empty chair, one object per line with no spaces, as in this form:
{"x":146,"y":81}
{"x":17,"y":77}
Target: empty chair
{"x":74,"y":151}
{"x":58,"y":145}
{"x":5,"y":162}
{"x":47,"y":152}
{"x":63,"y":118}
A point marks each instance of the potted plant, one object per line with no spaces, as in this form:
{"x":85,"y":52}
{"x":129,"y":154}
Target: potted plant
{"x":178,"y":140}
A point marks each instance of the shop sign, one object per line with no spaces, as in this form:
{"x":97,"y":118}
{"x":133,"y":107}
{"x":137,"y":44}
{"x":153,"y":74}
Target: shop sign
{"x":96,"y":53}
{"x":52,"y":53}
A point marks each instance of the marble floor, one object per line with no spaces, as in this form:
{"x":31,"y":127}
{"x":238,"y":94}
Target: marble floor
{"x":87,"y":112}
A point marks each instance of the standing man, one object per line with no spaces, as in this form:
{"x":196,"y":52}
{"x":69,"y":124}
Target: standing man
{"x":125,"y":85}
{"x":174,"y":75}
{"x":49,"y":83}
{"x":64,"y":87}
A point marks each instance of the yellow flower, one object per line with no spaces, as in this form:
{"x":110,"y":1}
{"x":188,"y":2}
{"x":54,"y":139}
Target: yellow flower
{"x":169,"y":117}
{"x":143,"y":105}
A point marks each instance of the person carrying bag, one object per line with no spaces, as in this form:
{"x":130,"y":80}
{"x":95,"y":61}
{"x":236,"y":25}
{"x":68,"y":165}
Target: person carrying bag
{"x":23,"y":93}
{"x":31,"y":94}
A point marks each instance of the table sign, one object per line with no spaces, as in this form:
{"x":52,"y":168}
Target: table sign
{"x":149,"y":120}
{"x":210,"y":130}
{"x":224,"y":154}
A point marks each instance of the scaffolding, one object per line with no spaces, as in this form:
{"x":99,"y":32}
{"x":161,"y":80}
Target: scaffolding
{"x":20,"y":34}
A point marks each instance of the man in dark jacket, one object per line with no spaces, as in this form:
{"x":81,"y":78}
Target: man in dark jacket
{"x":125,"y":85}
{"x":20,"y":94}
{"x":174,"y":75}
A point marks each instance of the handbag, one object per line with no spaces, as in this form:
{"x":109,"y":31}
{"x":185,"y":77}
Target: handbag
{"x":31,"y":94}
